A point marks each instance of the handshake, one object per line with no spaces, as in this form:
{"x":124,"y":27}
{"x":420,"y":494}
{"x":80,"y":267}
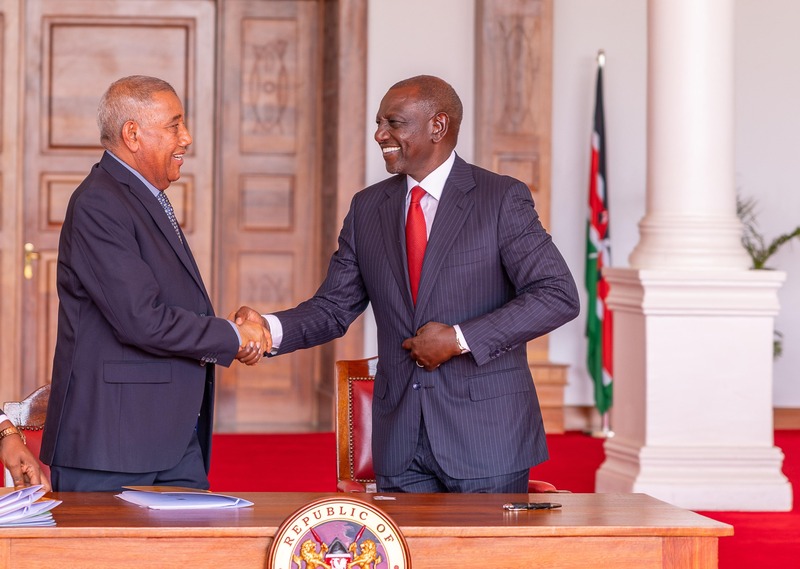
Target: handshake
{"x":255,"y":334}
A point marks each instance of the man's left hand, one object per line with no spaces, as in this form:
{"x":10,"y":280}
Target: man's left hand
{"x":434,"y":344}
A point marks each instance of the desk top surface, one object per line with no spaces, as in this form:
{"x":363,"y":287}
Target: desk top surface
{"x":98,"y":514}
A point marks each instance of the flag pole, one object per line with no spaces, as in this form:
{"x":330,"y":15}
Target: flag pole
{"x":599,"y":320}
{"x":605,"y":428}
{"x":605,"y":431}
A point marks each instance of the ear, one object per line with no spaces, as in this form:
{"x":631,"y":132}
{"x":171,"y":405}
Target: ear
{"x":440,"y":122}
{"x":130,"y":135}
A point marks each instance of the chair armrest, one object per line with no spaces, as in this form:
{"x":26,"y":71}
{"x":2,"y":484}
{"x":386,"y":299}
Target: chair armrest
{"x":540,"y":487}
{"x":351,"y":486}
{"x":354,"y":487}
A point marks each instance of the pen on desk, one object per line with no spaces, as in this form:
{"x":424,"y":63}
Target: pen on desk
{"x":520,"y":506}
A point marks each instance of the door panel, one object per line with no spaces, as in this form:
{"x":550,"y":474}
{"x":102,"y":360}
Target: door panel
{"x":261,"y":93}
{"x":75,"y":49}
{"x":269,"y":199}
{"x":11,"y":257}
{"x":514,"y":71}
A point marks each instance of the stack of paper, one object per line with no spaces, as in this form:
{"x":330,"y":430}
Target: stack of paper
{"x":25,"y":507}
{"x":176,"y":498}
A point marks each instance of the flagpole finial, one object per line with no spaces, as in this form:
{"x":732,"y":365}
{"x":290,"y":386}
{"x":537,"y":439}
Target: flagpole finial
{"x":601,"y":58}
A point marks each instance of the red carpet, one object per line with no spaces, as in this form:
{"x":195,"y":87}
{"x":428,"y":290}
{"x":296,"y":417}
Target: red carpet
{"x":766,"y":539}
{"x":273,"y":463}
{"x":307,"y":462}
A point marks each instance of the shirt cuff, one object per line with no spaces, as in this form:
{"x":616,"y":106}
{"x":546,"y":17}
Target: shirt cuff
{"x":275,"y":330}
{"x":462,"y":342}
{"x":236,"y":329}
{"x":4,"y":417}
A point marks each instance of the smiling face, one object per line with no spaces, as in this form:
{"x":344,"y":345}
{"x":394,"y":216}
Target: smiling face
{"x":410,"y":132}
{"x":161,"y":140}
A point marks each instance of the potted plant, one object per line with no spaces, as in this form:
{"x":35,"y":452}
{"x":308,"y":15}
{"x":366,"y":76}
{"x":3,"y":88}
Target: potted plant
{"x":759,"y":249}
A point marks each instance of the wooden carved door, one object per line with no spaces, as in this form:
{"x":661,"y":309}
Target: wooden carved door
{"x":10,"y":156}
{"x":269,"y":205}
{"x":261,"y":92}
{"x":74,"y":50}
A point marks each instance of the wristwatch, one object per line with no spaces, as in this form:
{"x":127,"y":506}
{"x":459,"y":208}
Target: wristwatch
{"x":12,"y":430}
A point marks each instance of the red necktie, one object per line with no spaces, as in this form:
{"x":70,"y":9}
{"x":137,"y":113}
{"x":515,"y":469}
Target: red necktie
{"x":416,"y":239}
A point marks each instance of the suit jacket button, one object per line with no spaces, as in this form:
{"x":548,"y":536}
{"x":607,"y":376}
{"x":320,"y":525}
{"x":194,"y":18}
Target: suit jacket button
{"x":416,"y":386}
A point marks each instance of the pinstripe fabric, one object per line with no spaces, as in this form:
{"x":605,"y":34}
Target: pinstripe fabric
{"x":489,"y":267}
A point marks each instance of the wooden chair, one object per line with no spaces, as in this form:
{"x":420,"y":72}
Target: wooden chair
{"x":354,"y":384}
{"x":28,"y":416}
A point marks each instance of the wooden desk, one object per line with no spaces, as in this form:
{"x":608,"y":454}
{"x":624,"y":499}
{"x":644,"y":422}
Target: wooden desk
{"x":608,"y":531}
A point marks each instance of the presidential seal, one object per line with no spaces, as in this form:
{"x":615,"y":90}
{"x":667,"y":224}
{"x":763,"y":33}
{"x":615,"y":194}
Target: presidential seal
{"x":339,"y":533}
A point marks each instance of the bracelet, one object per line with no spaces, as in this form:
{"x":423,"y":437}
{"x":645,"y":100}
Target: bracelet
{"x":12,"y":430}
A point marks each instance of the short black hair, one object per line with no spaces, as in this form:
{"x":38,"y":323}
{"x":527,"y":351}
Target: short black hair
{"x":438,"y":95}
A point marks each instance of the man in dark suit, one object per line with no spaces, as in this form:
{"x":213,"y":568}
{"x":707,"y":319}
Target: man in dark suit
{"x":454,"y":409}
{"x":132,"y":391}
{"x":17,"y":458}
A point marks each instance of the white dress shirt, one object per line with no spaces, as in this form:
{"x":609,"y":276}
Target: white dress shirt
{"x":433,"y":184}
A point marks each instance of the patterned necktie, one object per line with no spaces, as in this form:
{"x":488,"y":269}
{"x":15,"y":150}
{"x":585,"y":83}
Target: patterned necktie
{"x":164,"y":201}
{"x":416,"y":239}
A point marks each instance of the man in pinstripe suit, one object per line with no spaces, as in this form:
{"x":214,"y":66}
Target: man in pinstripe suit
{"x":454,"y":409}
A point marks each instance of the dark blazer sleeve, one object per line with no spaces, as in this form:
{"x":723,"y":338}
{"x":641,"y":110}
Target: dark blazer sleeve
{"x":336,"y":304}
{"x":545,"y":295}
{"x":133,"y":373}
{"x":120,"y":278}
{"x":489,"y":267}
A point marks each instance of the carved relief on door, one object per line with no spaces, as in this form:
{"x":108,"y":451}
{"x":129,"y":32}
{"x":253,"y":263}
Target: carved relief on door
{"x":269,"y":201}
{"x":514,"y":69}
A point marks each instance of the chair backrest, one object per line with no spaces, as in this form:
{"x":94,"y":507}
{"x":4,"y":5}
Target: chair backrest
{"x":355,"y":380}
{"x":354,"y":383}
{"x":28,"y":415}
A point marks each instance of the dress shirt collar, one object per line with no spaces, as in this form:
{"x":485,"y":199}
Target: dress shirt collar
{"x":150,"y":186}
{"x":433,"y":183}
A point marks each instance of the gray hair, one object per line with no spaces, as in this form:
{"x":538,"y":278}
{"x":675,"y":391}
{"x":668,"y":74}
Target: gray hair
{"x":127,"y":99}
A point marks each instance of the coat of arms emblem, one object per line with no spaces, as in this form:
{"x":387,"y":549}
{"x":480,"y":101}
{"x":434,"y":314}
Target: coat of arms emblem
{"x":339,"y":533}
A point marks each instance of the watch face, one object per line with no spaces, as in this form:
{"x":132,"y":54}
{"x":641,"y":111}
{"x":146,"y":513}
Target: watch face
{"x":339,"y":533}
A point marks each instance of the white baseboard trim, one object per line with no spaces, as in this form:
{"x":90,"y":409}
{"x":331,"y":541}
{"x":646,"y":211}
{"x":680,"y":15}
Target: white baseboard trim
{"x":586,"y":418}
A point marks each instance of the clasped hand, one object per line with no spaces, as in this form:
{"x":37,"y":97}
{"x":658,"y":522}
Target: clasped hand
{"x":255,"y":334}
{"x":20,"y":462}
{"x":434,"y":344}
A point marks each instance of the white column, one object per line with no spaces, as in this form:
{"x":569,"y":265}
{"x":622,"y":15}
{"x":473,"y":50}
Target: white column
{"x":692,"y":412}
{"x":690,"y":219}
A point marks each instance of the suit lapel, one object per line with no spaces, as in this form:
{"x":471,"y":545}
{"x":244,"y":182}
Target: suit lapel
{"x":150,"y":203}
{"x":454,"y":208}
{"x":181,"y":249}
{"x":394,"y":234}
